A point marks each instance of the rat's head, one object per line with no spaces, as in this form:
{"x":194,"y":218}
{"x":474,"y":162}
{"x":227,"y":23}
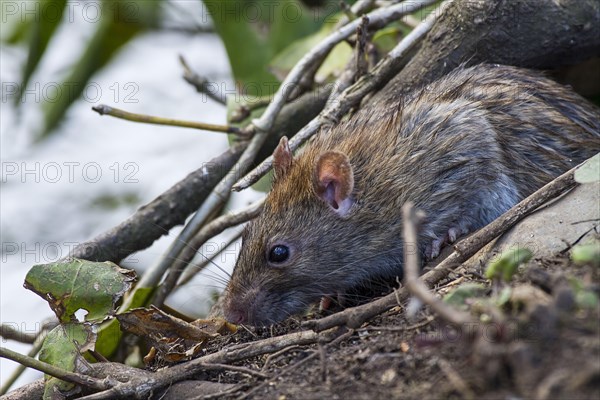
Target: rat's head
{"x":295,"y":252}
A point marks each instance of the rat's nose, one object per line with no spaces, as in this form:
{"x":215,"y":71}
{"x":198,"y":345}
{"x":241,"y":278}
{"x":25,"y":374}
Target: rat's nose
{"x":235,"y":316}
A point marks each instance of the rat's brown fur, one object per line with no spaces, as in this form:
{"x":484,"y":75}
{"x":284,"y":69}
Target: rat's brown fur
{"x":464,"y":149}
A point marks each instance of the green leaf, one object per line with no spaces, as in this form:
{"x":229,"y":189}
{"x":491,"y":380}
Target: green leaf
{"x":588,"y":253}
{"x":79,"y":284}
{"x":506,"y":265}
{"x":335,"y":62}
{"x":248,"y":55}
{"x":120,"y":21}
{"x":584,"y":298}
{"x":48,"y":18}
{"x":589,"y":172}
{"x":504,"y":296}
{"x":62,"y":348}
{"x":460,"y":295}
{"x":387,"y":38}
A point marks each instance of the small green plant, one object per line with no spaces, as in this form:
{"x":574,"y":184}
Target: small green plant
{"x":506,"y":265}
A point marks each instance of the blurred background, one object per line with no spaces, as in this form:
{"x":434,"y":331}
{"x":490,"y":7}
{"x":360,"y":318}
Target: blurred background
{"x":69,"y":174}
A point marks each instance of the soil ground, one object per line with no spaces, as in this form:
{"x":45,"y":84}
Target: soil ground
{"x":547,"y":347}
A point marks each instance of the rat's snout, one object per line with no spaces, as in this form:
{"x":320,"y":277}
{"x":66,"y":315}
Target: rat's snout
{"x":235,"y":316}
{"x":240,"y":308}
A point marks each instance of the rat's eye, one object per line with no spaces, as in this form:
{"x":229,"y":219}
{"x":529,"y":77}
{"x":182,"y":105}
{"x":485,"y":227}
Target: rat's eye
{"x":279,"y":253}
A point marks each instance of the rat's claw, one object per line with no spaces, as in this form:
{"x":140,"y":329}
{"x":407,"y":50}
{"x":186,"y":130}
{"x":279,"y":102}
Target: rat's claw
{"x":433,"y":249}
{"x":453,"y":233}
{"x":456,"y":232}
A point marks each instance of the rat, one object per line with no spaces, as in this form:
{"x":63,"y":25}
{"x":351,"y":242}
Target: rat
{"x":464,"y":149}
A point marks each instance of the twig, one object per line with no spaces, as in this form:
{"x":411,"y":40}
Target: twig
{"x":323,"y":362}
{"x":142,"y":387}
{"x":359,"y":53}
{"x":201,"y":84}
{"x":377,"y":19}
{"x":243,"y":370}
{"x":35,"y":349}
{"x":149,"y":119}
{"x":352,"y":96}
{"x":465,"y":249}
{"x":210,"y":230}
{"x":8,"y":331}
{"x":271,"y":357}
{"x":412,"y":218}
{"x":357,"y":9}
{"x":421,"y":324}
{"x":192,"y":269}
{"x":347,"y":11}
{"x":49,"y":369}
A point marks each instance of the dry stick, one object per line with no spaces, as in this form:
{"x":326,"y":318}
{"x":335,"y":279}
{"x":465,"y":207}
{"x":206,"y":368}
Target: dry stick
{"x":243,"y":370}
{"x":146,"y":385}
{"x":202,"y":84}
{"x":352,"y":96}
{"x":192,"y":269}
{"x":39,"y":338}
{"x":271,"y":357}
{"x":360,"y":57}
{"x":411,"y":219}
{"x":149,"y":119}
{"x":465,"y":249}
{"x":210,"y":230}
{"x":377,"y":19}
{"x":8,"y":331}
{"x":418,"y":325}
{"x":35,"y":349}
{"x":50,"y":369}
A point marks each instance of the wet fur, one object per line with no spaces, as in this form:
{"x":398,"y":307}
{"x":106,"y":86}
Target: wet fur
{"x":464,"y":149}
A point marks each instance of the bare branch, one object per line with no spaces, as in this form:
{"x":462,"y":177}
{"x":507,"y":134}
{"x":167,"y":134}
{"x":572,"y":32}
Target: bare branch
{"x":411,"y":219}
{"x":149,"y":119}
{"x":202,"y":84}
{"x":8,"y":331}
{"x":49,"y":369}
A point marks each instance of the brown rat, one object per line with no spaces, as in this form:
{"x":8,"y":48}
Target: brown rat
{"x":464,"y":149}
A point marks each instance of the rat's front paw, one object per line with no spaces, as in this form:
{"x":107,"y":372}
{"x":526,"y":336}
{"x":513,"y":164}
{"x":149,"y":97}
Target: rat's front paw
{"x":435,"y":247}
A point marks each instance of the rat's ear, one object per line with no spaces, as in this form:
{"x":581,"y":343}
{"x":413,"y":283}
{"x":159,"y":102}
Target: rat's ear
{"x":334,"y":181}
{"x":282,"y":158}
